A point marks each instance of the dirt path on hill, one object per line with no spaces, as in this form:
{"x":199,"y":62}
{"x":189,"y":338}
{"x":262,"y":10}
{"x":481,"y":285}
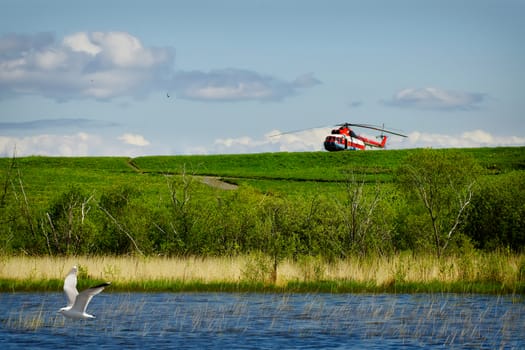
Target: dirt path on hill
{"x":216,"y":182}
{"x":212,"y":181}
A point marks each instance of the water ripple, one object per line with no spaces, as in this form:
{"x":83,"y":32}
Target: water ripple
{"x":265,"y":321}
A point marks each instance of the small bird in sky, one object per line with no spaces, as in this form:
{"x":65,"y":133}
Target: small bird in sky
{"x":167,"y":95}
{"x":78,"y":302}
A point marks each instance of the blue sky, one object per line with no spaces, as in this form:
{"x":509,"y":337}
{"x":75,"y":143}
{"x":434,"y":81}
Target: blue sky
{"x":204,"y":77}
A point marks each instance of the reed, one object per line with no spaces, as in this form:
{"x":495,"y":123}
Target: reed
{"x":490,"y":272}
{"x":436,"y":320}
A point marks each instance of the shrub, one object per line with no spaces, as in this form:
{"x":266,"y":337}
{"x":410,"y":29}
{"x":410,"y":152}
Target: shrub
{"x":496,"y":217}
{"x":438,"y":187}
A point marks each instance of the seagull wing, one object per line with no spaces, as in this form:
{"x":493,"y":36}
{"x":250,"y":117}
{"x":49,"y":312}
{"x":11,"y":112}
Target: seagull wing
{"x":70,"y":286}
{"x":83,"y":299}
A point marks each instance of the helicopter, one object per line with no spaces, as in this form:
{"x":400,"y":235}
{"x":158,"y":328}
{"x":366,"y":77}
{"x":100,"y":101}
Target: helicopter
{"x":344,"y":138}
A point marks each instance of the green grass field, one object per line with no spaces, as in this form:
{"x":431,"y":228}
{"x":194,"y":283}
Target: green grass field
{"x":320,"y":166}
{"x":287,"y":173}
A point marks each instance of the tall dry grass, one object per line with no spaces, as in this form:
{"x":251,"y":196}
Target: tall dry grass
{"x":487,"y":267}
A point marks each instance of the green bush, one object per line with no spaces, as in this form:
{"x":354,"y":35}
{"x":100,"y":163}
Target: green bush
{"x":438,"y":186}
{"x":496,"y":217}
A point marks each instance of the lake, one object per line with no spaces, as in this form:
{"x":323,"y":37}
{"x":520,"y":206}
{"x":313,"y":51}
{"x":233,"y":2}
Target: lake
{"x":265,"y":321}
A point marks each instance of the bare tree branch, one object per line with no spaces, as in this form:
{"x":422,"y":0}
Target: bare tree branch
{"x":119,"y":226}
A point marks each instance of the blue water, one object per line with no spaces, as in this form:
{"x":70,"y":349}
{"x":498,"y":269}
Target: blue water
{"x":265,"y":321}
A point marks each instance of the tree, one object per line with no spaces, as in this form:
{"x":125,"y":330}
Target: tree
{"x":68,"y":226}
{"x":442,"y":183}
{"x":276,"y":227}
{"x":361,"y":212}
{"x":180,"y":204}
{"x":496,"y":218}
{"x":119,"y":216}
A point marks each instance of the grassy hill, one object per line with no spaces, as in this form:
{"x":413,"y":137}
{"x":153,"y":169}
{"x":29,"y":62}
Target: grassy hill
{"x":287,"y":173}
{"x":318,"y":166}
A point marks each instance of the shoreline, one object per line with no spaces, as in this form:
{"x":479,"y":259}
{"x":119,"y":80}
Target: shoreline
{"x":321,"y":287}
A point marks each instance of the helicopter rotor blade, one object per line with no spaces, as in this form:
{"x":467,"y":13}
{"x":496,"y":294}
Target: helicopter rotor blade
{"x":373,"y":127}
{"x":366,"y":126}
{"x":296,"y":131}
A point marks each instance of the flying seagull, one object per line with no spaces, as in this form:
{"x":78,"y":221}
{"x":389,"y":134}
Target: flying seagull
{"x":78,"y":302}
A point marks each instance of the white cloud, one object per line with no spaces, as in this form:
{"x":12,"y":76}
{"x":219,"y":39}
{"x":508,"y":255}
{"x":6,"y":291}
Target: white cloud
{"x":478,"y":136}
{"x":274,"y":141}
{"x":120,"y":49}
{"x":134,"y":139}
{"x":240,"y":91}
{"x":80,"y":42}
{"x":50,"y":60}
{"x":83,"y":65}
{"x":467,"y":139}
{"x":76,"y":144}
{"x":237,"y":85}
{"x":432,"y":98}
{"x":132,"y":145}
{"x":79,"y":144}
{"x":106,"y":65}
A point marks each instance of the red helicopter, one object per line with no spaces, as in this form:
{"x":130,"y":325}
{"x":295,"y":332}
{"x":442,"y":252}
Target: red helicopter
{"x":344,"y":138}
